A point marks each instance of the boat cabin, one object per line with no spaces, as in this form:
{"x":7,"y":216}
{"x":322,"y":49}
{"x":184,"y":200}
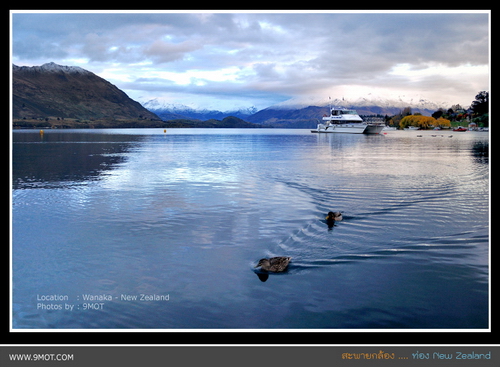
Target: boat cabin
{"x":343,"y":112}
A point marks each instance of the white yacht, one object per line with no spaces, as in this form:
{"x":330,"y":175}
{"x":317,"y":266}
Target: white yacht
{"x":346,"y":121}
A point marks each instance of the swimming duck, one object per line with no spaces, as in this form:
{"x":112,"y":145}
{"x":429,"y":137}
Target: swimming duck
{"x":334,"y":216}
{"x":274,"y":264}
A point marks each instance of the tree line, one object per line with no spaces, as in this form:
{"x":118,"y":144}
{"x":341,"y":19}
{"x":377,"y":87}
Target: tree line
{"x":478,"y":112}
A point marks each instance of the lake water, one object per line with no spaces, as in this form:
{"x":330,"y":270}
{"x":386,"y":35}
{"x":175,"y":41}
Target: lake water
{"x":126,"y":228}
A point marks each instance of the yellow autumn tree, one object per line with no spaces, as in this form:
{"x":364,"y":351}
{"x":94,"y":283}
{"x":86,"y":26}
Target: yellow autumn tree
{"x":423,"y":122}
{"x":442,"y":122}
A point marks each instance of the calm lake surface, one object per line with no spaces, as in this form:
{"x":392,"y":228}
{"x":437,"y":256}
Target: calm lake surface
{"x":137,"y":228}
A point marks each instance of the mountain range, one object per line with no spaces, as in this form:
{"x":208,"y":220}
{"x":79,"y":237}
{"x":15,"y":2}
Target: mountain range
{"x":295,"y":114}
{"x":170,"y":111}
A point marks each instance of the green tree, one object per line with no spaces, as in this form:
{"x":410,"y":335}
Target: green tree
{"x":480,"y":104}
{"x":438,"y":113}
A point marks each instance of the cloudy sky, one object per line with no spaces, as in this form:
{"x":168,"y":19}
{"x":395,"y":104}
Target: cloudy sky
{"x":224,"y":60}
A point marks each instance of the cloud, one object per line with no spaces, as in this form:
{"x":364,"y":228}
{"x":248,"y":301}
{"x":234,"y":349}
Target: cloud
{"x":266,"y":54}
{"x":163,"y":52}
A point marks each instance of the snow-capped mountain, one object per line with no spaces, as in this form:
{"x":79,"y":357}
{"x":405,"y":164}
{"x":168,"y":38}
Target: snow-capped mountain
{"x":170,"y":111}
{"x":157,"y":104}
{"x":52,"y":67}
{"x":369,"y":101}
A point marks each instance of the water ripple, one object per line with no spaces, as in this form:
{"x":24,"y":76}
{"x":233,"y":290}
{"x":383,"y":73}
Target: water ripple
{"x":191,"y":213}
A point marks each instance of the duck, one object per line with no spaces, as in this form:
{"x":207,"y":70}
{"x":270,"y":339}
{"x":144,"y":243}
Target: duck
{"x":274,"y":264}
{"x":334,"y":217}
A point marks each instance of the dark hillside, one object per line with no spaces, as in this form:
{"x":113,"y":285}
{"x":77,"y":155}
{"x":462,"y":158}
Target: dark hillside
{"x":55,"y":91}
